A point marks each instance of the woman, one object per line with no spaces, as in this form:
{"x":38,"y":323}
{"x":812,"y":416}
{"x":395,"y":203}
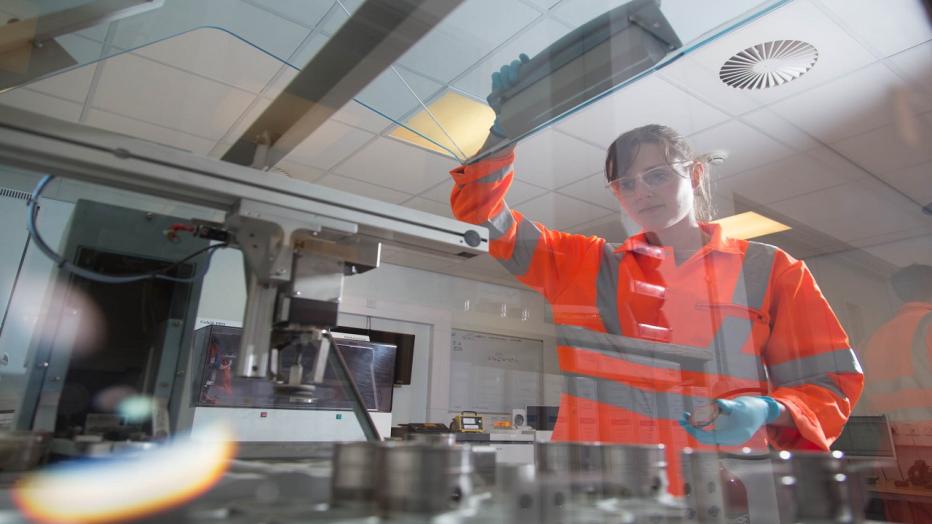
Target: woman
{"x":745,"y":329}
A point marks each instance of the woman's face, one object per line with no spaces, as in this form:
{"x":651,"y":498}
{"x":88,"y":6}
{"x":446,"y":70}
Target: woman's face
{"x":655,"y":194}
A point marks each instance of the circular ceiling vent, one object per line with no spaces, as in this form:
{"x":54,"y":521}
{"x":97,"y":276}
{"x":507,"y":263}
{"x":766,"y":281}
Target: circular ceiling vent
{"x":769,"y":64}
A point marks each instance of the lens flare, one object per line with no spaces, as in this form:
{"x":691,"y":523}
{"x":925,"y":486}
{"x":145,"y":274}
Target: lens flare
{"x":136,"y":408}
{"x":101,"y":491}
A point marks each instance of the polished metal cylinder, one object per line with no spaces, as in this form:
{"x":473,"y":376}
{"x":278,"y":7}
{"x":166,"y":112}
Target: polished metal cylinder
{"x":818,"y":487}
{"x":578,"y":463}
{"x":703,"y":486}
{"x":353,"y":480}
{"x":423,"y":479}
{"x":434,"y":439}
{"x":631,"y":471}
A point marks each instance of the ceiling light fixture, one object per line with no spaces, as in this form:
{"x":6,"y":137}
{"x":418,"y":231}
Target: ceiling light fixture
{"x":749,"y":225}
{"x":769,"y":64}
{"x":465,"y":125}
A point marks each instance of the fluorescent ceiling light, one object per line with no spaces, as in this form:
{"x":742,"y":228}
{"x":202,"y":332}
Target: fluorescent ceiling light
{"x":465,"y":125}
{"x":749,"y":225}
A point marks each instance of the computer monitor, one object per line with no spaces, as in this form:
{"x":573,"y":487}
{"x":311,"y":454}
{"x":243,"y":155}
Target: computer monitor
{"x":867,"y":437}
{"x":542,"y":418}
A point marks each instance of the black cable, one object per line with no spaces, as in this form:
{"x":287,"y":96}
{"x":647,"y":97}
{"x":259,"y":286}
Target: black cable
{"x":95,"y":276}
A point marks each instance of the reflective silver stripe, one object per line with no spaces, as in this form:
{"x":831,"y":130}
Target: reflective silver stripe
{"x":494,"y":176}
{"x":822,"y":381}
{"x":808,"y":369}
{"x":632,"y":349}
{"x":606,"y":286}
{"x":921,"y":370}
{"x":755,"y":275}
{"x":652,"y":404}
{"x":500,"y":224}
{"x":526,"y":239}
{"x":733,"y":333}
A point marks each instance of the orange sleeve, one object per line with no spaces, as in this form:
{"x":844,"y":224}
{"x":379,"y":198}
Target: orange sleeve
{"x":813,"y":370}
{"x":539,"y":257}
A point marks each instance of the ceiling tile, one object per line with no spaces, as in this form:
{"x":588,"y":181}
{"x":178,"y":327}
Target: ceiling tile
{"x":637,"y":105}
{"x":391,"y":163}
{"x":145,"y":90}
{"x":363,"y":189}
{"x":217,"y":55}
{"x":790,"y":177}
{"x":357,"y":115}
{"x":296,"y":62}
{"x":147,"y":131}
{"x":36,"y":102}
{"x":337,"y":16}
{"x":915,"y":65}
{"x":839,"y":52}
{"x":886,"y":27}
{"x":746,"y":147}
{"x":543,"y":4}
{"x":561,"y":212}
{"x":429,"y":206}
{"x":299,"y":171}
{"x":915,"y":181}
{"x":518,"y":193}
{"x":703,"y":83}
{"x":84,"y":50}
{"x":592,"y":189}
{"x":395,"y":92}
{"x":870,"y":100}
{"x":267,"y":31}
{"x":551,"y":159}
{"x":614,"y":228}
{"x":329,"y":145}
{"x":857,"y":210}
{"x":887,"y":149}
{"x":302,"y":12}
{"x":478,"y":81}
{"x":466,"y":35}
{"x":772,"y":124}
{"x":71,"y":85}
{"x":905,"y":252}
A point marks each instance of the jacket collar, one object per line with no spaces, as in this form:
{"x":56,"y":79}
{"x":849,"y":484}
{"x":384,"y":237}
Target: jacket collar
{"x":717,"y":242}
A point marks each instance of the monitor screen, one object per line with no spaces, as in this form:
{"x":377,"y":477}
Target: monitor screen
{"x":404,"y":349}
{"x":866,"y":436}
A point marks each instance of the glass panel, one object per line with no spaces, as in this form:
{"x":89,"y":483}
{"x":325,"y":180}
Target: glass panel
{"x":751,"y":277}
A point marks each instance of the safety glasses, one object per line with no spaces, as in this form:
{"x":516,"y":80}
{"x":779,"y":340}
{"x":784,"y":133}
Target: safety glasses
{"x":653,"y":178}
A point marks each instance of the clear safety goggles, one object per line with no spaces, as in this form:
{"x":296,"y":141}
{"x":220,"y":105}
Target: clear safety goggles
{"x":653,"y":178}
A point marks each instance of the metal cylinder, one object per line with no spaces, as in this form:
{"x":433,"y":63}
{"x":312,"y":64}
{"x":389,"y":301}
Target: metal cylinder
{"x":353,"y":480}
{"x":423,"y":479}
{"x":634,"y":471}
{"x":484,"y":473}
{"x":818,"y":488}
{"x":578,"y":463}
{"x":434,"y":439}
{"x":703,"y":487}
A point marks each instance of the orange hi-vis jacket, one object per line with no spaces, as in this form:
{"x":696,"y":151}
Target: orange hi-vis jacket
{"x":899,"y":363}
{"x":737,"y":318}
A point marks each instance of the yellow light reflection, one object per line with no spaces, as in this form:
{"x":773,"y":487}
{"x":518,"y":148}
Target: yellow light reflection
{"x":100,"y":491}
{"x":466,"y":121}
{"x":749,"y":225}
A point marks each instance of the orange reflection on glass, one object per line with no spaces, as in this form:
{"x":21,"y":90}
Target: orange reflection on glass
{"x":128,"y":487}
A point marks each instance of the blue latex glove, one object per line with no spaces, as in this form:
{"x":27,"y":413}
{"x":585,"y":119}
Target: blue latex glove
{"x":502,"y":79}
{"x":738,"y":420}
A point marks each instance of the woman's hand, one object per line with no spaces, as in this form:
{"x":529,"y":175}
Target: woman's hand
{"x":739,"y":419}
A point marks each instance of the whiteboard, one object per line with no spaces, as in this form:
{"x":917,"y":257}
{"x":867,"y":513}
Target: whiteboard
{"x":494,"y":373}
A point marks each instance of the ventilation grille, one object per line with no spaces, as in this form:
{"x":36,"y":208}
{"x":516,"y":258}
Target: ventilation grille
{"x":13,"y":193}
{"x":769,"y":64}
